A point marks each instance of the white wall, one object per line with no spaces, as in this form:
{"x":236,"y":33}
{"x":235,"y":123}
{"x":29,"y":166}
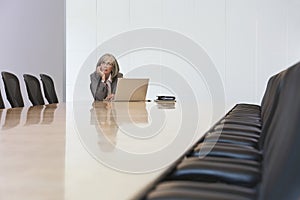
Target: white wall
{"x":247,"y":40}
{"x":32,"y":39}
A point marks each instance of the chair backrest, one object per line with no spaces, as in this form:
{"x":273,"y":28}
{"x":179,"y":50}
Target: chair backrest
{"x":1,"y":102}
{"x":120,"y":75}
{"x":12,"y":89}
{"x":269,"y":105}
{"x":33,"y":88}
{"x":281,"y":157}
{"x":49,"y":89}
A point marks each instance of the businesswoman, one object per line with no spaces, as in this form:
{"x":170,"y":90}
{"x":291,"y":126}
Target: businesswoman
{"x":104,"y":79}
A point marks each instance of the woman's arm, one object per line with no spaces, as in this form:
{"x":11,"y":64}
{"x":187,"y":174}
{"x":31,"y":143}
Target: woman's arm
{"x":98,"y":88}
{"x":95,"y":78}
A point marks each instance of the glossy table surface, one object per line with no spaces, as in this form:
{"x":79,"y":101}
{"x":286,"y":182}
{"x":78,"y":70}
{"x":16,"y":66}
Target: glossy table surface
{"x":88,"y":150}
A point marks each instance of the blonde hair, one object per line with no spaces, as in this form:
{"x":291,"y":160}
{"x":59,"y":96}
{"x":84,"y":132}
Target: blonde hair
{"x":115,"y":70}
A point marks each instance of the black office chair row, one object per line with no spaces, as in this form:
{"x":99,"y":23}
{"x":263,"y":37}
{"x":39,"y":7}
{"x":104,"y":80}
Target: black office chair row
{"x":14,"y":95}
{"x":251,"y":153}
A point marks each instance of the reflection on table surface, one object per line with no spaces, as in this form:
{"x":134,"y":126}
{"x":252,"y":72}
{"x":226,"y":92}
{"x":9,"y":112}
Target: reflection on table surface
{"x":34,"y":115}
{"x":32,"y":155}
{"x":85,"y":150}
{"x":12,"y":118}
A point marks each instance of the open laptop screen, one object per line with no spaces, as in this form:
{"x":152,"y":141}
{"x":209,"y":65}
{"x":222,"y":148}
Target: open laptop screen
{"x":131,"y":89}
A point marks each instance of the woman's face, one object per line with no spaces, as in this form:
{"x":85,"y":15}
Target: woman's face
{"x":106,"y":66}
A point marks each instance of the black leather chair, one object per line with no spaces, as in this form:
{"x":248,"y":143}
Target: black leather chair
{"x":237,"y":170}
{"x":33,"y":88}
{"x":120,"y":75}
{"x":1,"y":102}
{"x":12,"y":89}
{"x":276,"y":176}
{"x":241,"y":137}
{"x":49,"y":88}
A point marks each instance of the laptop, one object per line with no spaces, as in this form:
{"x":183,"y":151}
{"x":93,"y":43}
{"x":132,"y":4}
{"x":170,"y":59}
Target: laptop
{"x":131,"y":89}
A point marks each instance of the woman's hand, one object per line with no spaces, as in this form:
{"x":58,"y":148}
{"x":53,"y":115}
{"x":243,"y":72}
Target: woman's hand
{"x":101,"y":74}
{"x":110,"y":97}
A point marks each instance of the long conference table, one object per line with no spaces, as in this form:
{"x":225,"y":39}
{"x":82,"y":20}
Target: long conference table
{"x":93,"y":150}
